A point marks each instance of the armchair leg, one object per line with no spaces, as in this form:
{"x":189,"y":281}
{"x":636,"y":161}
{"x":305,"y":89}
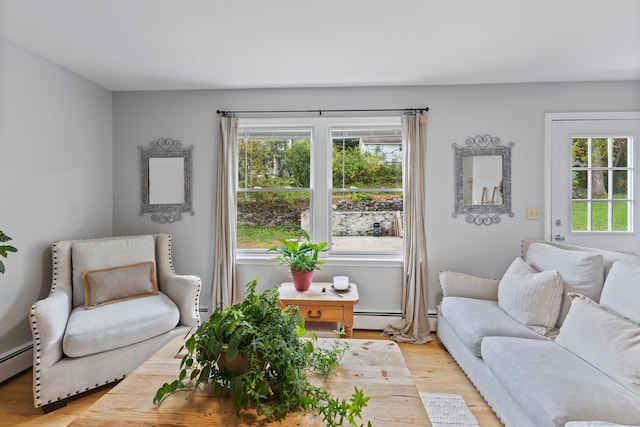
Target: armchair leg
{"x":53,"y":406}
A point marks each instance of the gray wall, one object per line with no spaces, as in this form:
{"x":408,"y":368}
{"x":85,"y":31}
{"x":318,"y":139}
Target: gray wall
{"x":55,"y":176}
{"x":513,"y":112}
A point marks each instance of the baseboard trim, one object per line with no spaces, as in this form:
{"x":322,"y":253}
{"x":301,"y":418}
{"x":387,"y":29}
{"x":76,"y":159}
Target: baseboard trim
{"x":16,"y":360}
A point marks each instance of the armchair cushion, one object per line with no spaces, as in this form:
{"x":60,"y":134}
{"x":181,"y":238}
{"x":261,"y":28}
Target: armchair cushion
{"x":118,"y":325}
{"x":120,"y":283}
{"x":95,"y":254}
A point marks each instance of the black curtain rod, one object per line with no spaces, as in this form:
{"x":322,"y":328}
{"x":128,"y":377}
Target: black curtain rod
{"x":228,"y":113}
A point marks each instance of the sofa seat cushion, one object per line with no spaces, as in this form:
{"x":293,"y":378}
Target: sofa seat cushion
{"x":474,"y":319}
{"x":554,"y":386}
{"x":118,"y":325}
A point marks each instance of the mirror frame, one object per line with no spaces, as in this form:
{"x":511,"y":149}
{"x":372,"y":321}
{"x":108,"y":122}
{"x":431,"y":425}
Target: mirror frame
{"x":165,"y":148}
{"x":483,"y":145}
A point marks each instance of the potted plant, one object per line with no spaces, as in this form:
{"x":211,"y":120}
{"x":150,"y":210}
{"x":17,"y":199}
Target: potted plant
{"x":5,"y":249}
{"x":301,"y":256}
{"x":276,"y":357}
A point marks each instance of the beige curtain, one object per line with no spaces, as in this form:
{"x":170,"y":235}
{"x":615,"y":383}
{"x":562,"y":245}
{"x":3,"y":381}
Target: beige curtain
{"x":224,"y":285}
{"x":414,"y":325}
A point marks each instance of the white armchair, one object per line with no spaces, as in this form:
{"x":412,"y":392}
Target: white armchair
{"x":113,"y":303}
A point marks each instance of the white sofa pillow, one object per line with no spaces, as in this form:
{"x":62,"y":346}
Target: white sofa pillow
{"x":581,"y":271}
{"x":532,"y":298}
{"x":621,"y":291}
{"x":603,"y":338}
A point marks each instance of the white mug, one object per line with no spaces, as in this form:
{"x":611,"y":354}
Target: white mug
{"x":341,"y":282}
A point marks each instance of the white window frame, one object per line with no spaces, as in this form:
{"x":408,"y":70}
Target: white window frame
{"x":321,"y":178}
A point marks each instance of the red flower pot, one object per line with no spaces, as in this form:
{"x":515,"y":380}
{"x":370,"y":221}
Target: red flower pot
{"x":302,"y":280}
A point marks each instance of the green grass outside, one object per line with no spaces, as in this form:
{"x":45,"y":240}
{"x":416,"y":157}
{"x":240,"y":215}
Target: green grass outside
{"x":599,"y":216}
{"x":263,"y":237}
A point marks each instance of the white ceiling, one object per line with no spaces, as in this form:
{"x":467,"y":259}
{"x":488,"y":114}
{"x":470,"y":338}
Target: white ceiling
{"x":196,"y":44}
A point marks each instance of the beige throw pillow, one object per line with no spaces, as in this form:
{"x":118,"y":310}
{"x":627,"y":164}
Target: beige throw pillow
{"x":120,"y":283}
{"x":532,"y":298}
{"x":603,"y":338}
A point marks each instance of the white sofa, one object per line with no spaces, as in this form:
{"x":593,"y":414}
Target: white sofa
{"x":93,"y":330}
{"x":556,"y":341}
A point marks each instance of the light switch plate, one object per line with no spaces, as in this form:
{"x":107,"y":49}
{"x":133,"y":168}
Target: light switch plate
{"x":533,"y":212}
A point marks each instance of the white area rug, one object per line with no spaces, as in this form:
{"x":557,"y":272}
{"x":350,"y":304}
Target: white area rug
{"x":448,"y":410}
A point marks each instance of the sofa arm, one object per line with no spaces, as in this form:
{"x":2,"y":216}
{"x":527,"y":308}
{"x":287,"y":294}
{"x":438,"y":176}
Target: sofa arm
{"x":456,"y":284}
{"x":184,"y":290}
{"x":48,"y":320}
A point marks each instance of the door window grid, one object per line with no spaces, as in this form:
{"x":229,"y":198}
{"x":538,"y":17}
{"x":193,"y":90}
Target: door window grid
{"x":602,"y":184}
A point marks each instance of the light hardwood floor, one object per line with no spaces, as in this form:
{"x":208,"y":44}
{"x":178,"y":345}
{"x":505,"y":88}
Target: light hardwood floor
{"x":432,"y":369}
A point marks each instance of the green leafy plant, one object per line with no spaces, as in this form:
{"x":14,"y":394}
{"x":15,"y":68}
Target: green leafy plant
{"x":270,"y":341}
{"x":300,"y":254}
{"x":5,"y":249}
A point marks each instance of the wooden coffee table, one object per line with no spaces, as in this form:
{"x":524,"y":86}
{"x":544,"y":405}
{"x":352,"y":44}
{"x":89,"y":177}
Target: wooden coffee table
{"x":318,"y":306}
{"x":374,"y":366}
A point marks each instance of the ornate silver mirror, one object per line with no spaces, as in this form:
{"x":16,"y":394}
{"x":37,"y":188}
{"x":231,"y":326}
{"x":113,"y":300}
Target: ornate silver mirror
{"x":483,"y":179}
{"x":166,"y":180}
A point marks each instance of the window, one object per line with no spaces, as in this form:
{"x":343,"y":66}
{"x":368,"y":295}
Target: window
{"x":338,"y":178}
{"x":273,"y":184}
{"x":602,"y":194}
{"x":366,"y":188}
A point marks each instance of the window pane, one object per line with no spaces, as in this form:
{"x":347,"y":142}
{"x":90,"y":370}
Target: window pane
{"x":266,"y":217}
{"x":620,"y":152}
{"x":599,"y":184}
{"x":366,"y":214}
{"x":367,"y":221}
{"x":579,"y":212}
{"x":579,"y":188}
{"x":579,"y":152}
{"x":366,"y":161}
{"x":599,"y":153}
{"x":621,"y":216}
{"x":621,"y":184}
{"x":600,"y":216}
{"x":273,"y":162}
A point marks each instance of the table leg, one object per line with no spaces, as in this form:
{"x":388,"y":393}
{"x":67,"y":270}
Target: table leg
{"x":348,"y":321}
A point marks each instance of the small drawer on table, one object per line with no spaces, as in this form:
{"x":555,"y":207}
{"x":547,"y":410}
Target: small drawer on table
{"x":322,"y":313}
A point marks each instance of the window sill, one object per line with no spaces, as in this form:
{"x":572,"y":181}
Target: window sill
{"x":338,"y":259}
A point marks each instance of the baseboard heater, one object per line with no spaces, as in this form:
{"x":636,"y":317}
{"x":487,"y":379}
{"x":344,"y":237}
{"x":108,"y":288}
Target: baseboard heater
{"x":16,"y":360}
{"x":378,"y":321}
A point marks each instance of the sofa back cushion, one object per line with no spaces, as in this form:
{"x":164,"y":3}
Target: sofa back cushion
{"x":621,"y":291}
{"x":581,"y":271}
{"x":608,"y":257}
{"x":606,"y":340}
{"x":531,"y":297}
{"x":97,"y":254}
